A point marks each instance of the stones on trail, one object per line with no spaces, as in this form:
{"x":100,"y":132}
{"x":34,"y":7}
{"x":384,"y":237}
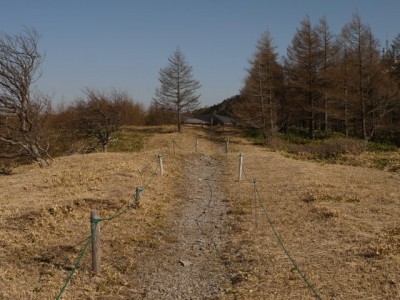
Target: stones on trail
{"x":185,"y":263}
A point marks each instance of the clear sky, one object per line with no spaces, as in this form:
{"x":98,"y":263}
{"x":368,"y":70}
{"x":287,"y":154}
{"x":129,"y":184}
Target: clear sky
{"x":122,"y":44}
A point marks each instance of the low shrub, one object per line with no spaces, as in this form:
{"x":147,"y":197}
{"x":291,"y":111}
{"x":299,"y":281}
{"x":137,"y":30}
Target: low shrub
{"x":5,"y":170}
{"x":127,"y":141}
{"x":381,"y":147}
{"x":298,"y":136}
{"x":255,"y":135}
{"x":329,"y":149}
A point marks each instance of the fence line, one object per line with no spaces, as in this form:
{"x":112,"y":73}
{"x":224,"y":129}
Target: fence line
{"x":284,"y":248}
{"x":77,"y":262}
{"x":96,"y":248}
{"x":95,"y":220}
{"x":256,"y":199}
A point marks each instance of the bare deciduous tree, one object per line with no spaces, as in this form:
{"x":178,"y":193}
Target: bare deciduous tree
{"x":99,"y":115}
{"x":23,"y":109}
{"x":392,"y":66}
{"x":365,"y":59}
{"x":328,"y":52}
{"x":341,"y":78}
{"x":177,"y":92}
{"x":260,"y":96}
{"x":303,"y":65}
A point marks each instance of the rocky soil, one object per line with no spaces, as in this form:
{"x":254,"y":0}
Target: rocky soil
{"x":187,"y":262}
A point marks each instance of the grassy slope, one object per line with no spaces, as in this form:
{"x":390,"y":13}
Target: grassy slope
{"x":44,"y":218}
{"x":339,"y":222}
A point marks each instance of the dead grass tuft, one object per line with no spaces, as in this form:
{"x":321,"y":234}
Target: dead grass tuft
{"x":5,"y":170}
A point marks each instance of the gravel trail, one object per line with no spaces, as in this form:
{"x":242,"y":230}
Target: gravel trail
{"x":187,"y":262}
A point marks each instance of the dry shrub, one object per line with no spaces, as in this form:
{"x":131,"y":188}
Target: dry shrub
{"x":395,"y":168}
{"x":308,"y":197}
{"x":387,"y":243}
{"x":5,"y":170}
{"x":278,"y":144}
{"x":351,"y":146}
{"x":329,"y":149}
{"x":313,"y":196}
{"x":323,"y":213}
{"x":377,"y":160}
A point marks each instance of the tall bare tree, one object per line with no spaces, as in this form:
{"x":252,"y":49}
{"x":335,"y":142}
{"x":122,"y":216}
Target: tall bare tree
{"x":303,"y":65}
{"x":343,"y":72}
{"x":178,"y":90}
{"x":392,"y":67}
{"x":393,"y":56}
{"x":365,"y":58}
{"x":328,"y":52}
{"x":23,"y":109}
{"x":259,"y":103}
{"x":134,"y":113}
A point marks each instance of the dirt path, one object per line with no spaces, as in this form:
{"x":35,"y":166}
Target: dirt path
{"x":186,"y":264}
{"x":199,"y":233}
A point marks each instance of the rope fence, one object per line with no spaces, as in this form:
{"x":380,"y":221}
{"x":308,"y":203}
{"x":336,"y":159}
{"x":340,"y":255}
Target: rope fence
{"x":281,"y":243}
{"x":256,"y":200}
{"x":95,"y":220}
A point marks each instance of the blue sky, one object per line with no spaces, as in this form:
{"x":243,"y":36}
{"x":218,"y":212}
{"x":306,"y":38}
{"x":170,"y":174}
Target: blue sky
{"x":122,"y":44}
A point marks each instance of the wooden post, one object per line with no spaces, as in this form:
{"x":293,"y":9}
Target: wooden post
{"x":137,"y":195}
{"x":240,"y":166}
{"x":173,"y":147}
{"x":96,"y":249}
{"x":160,"y":161}
{"x":197,"y":144}
{"x":227,"y":145}
{"x":255,"y":203}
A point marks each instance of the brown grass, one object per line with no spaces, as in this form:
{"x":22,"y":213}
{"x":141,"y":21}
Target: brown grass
{"x":44,"y":220}
{"x":340,"y":223}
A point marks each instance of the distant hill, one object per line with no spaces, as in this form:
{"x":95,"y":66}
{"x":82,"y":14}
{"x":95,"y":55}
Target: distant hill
{"x":225,"y":108}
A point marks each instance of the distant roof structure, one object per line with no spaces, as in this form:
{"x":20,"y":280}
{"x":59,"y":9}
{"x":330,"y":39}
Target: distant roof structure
{"x":194,"y":121}
{"x":210,"y":119}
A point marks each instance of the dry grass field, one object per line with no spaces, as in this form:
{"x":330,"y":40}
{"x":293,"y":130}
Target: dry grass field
{"x":340,"y":224}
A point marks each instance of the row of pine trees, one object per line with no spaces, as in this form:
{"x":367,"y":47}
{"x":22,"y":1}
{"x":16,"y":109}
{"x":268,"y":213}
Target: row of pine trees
{"x":340,"y":82}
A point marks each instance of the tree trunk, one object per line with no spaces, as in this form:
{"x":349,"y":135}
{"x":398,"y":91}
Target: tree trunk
{"x":346,"y":121}
{"x":311,"y":125}
{"x":326,"y":127}
{"x":265,"y":137}
{"x":271,"y":112}
{"x":179,"y":121}
{"x":35,"y":154}
{"x":364,"y":119}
